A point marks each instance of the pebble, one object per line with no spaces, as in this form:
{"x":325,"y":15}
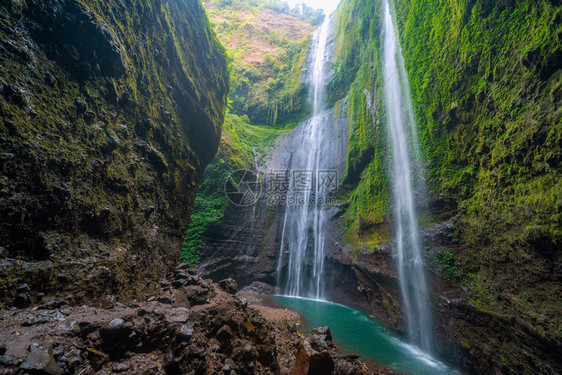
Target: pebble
{"x":121,"y":367}
{"x":185,"y":333}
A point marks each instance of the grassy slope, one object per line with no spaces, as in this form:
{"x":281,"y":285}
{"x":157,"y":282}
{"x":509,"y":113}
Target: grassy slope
{"x":267,"y":47}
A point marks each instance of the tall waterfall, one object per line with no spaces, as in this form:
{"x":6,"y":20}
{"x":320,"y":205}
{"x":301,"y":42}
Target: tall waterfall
{"x":402,"y":130}
{"x":304,"y":225}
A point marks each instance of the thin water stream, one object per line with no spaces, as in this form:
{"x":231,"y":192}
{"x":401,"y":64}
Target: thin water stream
{"x":409,"y":262}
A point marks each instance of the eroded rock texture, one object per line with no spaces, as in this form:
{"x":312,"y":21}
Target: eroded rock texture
{"x":109,"y":113}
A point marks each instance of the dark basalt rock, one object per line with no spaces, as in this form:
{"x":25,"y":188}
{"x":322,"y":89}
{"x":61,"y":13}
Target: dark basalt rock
{"x":148,"y":337}
{"x":73,"y":36}
{"x":117,"y":337}
{"x":41,"y":360}
{"x":158,"y":160}
{"x":72,"y":360}
{"x":15,"y":94}
{"x":165,"y":300}
{"x":22,"y":300}
{"x":81,"y":106}
{"x":229,"y":285}
{"x":119,"y":368}
{"x":185,"y":333}
{"x":310,"y":362}
{"x":321,"y":339}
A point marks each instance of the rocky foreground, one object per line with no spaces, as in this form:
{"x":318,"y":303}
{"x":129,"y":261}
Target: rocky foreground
{"x":193,"y":326}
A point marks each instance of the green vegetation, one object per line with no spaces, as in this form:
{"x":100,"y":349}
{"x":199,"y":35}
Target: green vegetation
{"x":267,"y":47}
{"x":242,"y":146}
{"x":357,"y":78}
{"x":108,"y":114}
{"x":486,"y":86}
{"x":305,"y":13}
{"x":447,"y":264}
{"x":488,"y":106}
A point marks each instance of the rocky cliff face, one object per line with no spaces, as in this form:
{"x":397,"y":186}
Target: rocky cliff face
{"x":245,"y":242}
{"x":109,"y":113}
{"x":489,"y":116}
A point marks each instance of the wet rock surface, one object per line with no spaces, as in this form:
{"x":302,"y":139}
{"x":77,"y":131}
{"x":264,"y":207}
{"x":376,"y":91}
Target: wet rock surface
{"x":201,"y":329}
{"x":98,"y":171}
{"x":41,"y":360}
{"x":229,"y":285}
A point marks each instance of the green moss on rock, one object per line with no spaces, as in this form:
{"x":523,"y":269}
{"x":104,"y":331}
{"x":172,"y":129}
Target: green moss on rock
{"x":109,"y":113}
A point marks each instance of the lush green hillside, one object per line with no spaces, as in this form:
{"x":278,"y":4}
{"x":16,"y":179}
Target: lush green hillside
{"x":487,"y":88}
{"x":267,"y":47}
{"x":486,"y":85}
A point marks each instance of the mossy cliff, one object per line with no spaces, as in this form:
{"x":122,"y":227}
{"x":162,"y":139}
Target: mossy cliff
{"x":485,"y":81}
{"x":109,"y":113}
{"x":357,"y":80}
{"x":242,"y":146}
{"x":267,"y":46}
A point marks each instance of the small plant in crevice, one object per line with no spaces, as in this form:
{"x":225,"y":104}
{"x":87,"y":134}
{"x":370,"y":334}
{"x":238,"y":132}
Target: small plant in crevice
{"x":448,"y":265}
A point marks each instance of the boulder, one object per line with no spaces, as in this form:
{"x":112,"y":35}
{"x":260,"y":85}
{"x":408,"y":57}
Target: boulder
{"x":311,"y":362}
{"x":119,"y":368}
{"x":41,"y":360}
{"x":72,"y":359}
{"x":117,"y":337}
{"x":22,"y":300}
{"x":224,"y":335}
{"x":321,"y":339}
{"x":185,"y":333}
{"x":229,"y":285}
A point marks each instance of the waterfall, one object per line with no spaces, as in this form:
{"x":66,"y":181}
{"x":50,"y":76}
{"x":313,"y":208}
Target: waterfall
{"x":303,"y":234}
{"x":402,"y":129}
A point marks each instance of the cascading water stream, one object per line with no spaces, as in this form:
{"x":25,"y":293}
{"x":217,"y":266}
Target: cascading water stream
{"x":301,"y":253}
{"x":407,"y":243}
{"x":304,"y":223}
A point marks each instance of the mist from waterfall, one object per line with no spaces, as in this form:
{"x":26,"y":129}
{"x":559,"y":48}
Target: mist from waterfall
{"x":402,"y":129}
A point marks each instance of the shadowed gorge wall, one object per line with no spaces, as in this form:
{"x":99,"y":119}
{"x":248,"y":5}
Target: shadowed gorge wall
{"x":110,"y":111}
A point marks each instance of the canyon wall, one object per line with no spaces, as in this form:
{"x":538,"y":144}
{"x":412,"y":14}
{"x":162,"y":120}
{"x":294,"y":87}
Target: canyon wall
{"x":485,"y":83}
{"x":109,"y":113}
